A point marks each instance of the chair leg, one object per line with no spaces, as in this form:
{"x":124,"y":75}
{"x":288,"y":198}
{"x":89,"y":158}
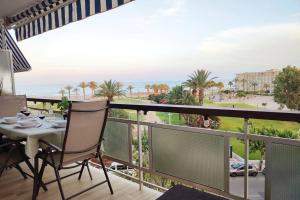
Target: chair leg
{"x":40,"y":176}
{"x":35,"y":176}
{"x":81,"y":170}
{"x":88,"y":168}
{"x":32,"y":170}
{"x":21,"y":171}
{"x":106,"y":176}
{"x":58,"y":179}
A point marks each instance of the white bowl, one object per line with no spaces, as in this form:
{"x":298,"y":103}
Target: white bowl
{"x":10,"y":120}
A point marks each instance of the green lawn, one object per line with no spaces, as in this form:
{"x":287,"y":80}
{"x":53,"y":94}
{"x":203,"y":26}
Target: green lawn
{"x":128,"y":100}
{"x":175,"y":119}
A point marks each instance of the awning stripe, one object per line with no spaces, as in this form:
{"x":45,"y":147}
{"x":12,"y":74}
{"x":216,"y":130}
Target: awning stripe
{"x":34,"y":10}
{"x":78,"y":10}
{"x":19,"y":61}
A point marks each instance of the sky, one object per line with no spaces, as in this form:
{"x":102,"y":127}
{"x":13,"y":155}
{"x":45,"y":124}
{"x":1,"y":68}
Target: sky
{"x":166,"y":40}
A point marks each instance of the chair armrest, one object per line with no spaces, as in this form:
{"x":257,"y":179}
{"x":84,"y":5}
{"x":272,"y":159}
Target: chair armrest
{"x":52,"y":146}
{"x":7,"y":144}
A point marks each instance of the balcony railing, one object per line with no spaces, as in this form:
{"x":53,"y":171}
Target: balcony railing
{"x":200,"y":157}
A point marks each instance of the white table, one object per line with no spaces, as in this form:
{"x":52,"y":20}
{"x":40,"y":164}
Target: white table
{"x":32,"y":135}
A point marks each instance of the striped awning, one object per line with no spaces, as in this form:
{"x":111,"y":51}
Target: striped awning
{"x":52,"y":14}
{"x":19,"y":61}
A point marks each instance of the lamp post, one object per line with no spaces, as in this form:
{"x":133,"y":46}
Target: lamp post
{"x":169,"y":114}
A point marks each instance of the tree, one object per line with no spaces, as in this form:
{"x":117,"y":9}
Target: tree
{"x":267,"y":87}
{"x":76,"y":90}
{"x":83,"y":85}
{"x":198,"y":81}
{"x":244,"y":81}
{"x":110,"y":89}
{"x":255,"y":145}
{"x":175,"y":96}
{"x":164,"y":88}
{"x":69,"y":88}
{"x":93,"y":86}
{"x":148,"y":87}
{"x":287,"y":88}
{"x":254,"y":85}
{"x":130,"y":88}
{"x":230,"y":83}
{"x":236,"y":82}
{"x":62,"y":92}
{"x":220,"y":86}
{"x":155,"y":88}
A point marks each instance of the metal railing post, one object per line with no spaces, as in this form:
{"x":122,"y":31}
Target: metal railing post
{"x":140,"y":151}
{"x":247,"y":125}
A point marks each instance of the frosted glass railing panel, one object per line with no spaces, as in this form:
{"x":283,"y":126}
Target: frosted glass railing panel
{"x":285,"y":172}
{"x":115,"y":142}
{"x":189,"y":155}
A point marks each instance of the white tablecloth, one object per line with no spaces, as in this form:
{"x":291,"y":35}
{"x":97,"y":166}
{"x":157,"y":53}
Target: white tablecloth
{"x":32,"y":135}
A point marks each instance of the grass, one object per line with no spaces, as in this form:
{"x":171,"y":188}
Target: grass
{"x":175,"y":118}
{"x":128,"y":100}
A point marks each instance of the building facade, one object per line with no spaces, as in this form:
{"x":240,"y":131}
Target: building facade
{"x":256,"y":81}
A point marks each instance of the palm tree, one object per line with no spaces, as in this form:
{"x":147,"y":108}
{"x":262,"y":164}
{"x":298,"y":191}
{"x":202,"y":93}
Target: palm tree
{"x":220,"y":86}
{"x":110,"y":89}
{"x":230,"y":83}
{"x":93,"y":86}
{"x":83,"y":85}
{"x":266,"y":86}
{"x":130,"y":88}
{"x":155,"y":88}
{"x":165,"y":88}
{"x":236,"y":82}
{"x":199,"y":80}
{"x":161,"y":88}
{"x":244,"y":81}
{"x":254,"y":84}
{"x":148,"y":87}
{"x":211,"y":84}
{"x":76,"y":90}
{"x":62,"y":92}
{"x":69,"y":88}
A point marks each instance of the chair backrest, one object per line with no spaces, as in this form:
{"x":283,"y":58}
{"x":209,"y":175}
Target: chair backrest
{"x":85,"y":128}
{"x":12,"y":104}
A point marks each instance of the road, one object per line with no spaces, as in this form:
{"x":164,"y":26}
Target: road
{"x":256,"y":186}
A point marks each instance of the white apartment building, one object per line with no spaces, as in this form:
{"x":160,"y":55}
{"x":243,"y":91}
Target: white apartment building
{"x":258,"y":81}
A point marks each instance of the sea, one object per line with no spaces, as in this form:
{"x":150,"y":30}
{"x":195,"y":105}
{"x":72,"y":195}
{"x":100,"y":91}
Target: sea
{"x":52,"y":90}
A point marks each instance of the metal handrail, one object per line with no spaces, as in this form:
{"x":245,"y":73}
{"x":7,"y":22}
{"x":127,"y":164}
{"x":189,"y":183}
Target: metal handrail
{"x":202,"y":110}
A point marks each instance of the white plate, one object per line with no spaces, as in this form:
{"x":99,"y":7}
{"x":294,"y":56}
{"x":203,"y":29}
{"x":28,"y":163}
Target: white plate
{"x":5,"y":122}
{"x":55,"y":125}
{"x":9,"y":120}
{"x":36,"y":125}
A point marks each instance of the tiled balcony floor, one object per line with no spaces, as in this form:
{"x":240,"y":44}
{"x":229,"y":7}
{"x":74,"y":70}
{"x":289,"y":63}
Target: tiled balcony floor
{"x":14,"y":187}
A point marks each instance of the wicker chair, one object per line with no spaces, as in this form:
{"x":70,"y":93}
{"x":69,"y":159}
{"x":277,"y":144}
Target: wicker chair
{"x":86,"y":119}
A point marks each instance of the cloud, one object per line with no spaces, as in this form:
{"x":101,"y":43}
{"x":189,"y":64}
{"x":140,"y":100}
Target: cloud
{"x":174,"y":9}
{"x":252,"y":48}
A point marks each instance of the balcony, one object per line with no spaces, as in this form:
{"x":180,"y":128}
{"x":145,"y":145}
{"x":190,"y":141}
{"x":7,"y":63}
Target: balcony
{"x":13,"y":187}
{"x":196,"y":157}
